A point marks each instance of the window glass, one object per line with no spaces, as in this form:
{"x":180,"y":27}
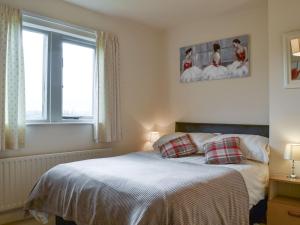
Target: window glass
{"x":78,"y":74}
{"x":35,"y":61}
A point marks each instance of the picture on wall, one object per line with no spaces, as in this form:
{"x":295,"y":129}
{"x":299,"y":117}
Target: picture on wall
{"x":295,"y":70}
{"x":291,"y":56}
{"x":221,"y":59}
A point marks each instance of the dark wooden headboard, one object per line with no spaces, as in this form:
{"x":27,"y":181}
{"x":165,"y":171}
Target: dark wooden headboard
{"x":262,"y":130}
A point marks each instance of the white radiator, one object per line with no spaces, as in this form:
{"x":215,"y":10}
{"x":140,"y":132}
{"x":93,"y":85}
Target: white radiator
{"x":18,"y":175}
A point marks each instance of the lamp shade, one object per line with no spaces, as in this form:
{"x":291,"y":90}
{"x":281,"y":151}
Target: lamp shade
{"x":292,"y":152}
{"x":295,"y":44}
{"x":154,"y":136}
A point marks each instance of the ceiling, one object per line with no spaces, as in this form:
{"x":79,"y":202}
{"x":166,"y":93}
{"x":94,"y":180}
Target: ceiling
{"x":164,"y":13}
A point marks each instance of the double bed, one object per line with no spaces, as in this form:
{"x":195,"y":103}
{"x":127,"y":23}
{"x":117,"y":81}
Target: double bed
{"x":143,"y":188}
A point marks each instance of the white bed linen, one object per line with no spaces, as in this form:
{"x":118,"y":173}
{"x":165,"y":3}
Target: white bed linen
{"x":255,"y":174}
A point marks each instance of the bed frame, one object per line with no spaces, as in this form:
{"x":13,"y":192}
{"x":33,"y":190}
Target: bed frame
{"x":262,"y":130}
{"x":258,"y":212}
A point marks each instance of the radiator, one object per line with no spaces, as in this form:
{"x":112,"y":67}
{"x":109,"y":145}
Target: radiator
{"x":18,"y":175}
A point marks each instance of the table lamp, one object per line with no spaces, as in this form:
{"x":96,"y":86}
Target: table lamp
{"x":292,"y":152}
{"x":154,"y":136}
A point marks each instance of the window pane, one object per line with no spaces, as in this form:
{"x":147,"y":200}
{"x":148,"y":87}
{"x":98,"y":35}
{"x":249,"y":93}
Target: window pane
{"x":35,"y":59}
{"x":78,"y":74}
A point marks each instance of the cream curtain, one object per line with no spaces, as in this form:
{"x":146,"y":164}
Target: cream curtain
{"x":107,"y":127}
{"x":12,"y":81}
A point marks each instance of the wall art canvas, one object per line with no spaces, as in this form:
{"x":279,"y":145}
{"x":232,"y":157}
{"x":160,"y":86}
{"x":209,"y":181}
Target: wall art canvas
{"x":291,"y":53}
{"x":221,"y":59}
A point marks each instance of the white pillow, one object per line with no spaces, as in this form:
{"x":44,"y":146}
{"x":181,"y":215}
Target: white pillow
{"x":254,"y":147}
{"x":198,"y":139}
{"x":166,"y":138}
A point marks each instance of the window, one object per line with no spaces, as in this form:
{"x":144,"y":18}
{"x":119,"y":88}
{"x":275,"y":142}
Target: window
{"x":59,"y":75}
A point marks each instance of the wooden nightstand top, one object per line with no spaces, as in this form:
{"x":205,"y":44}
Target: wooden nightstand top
{"x":284,"y":179}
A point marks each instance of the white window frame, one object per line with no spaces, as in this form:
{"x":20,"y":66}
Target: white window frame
{"x":58,"y":32}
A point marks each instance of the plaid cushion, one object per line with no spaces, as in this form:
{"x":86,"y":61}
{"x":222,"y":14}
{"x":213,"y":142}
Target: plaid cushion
{"x":181,"y":146}
{"x":224,"y":151}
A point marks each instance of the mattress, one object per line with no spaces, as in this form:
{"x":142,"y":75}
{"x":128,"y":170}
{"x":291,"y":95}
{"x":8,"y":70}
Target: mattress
{"x":255,"y":174}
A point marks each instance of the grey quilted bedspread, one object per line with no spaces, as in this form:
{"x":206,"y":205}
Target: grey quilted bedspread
{"x":141,"y":189}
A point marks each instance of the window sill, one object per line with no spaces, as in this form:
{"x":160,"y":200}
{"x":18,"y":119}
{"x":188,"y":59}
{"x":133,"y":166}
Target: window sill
{"x":60,"y":123}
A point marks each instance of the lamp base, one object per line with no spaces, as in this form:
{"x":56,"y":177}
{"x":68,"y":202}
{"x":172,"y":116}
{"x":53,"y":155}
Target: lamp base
{"x":292,"y":176}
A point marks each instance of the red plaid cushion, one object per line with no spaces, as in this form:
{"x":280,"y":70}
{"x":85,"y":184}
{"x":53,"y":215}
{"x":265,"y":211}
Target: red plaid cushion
{"x":181,"y":146}
{"x":224,"y":151}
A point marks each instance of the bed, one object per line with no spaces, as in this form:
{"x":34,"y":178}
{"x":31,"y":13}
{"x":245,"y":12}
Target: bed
{"x":258,"y":211}
{"x":144,"y":189}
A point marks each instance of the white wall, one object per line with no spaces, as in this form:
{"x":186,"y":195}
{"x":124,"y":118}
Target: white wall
{"x":283,"y":16}
{"x":241,"y":100}
{"x":140,"y":81}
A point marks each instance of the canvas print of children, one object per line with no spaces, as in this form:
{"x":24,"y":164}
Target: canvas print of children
{"x":190,"y":72}
{"x":222,"y":59}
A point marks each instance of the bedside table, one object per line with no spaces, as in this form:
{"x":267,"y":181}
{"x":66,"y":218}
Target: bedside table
{"x":284,"y":201}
